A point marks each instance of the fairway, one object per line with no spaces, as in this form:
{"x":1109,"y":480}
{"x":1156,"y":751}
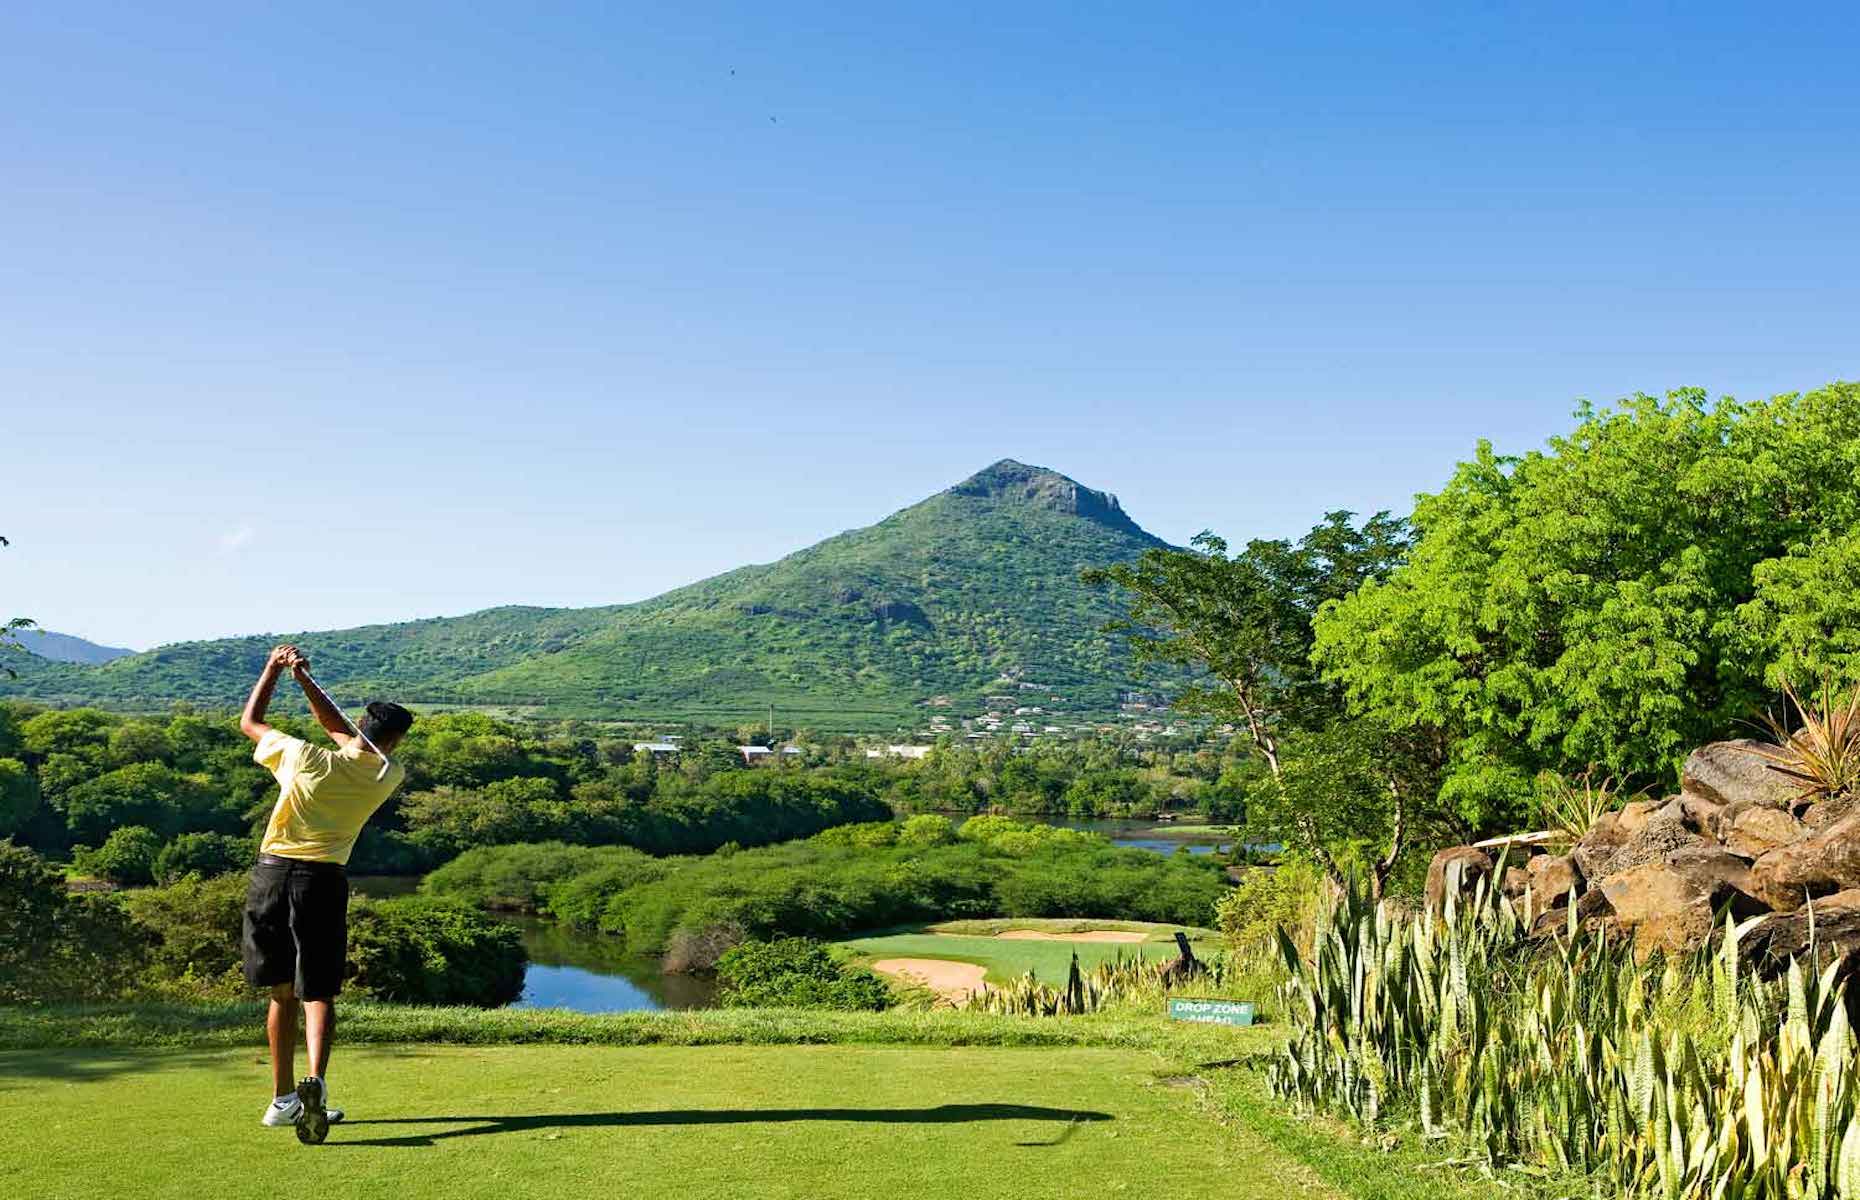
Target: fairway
{"x":574,"y":1121}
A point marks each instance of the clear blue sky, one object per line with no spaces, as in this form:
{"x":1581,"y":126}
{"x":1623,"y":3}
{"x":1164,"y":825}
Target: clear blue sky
{"x":331,"y":316}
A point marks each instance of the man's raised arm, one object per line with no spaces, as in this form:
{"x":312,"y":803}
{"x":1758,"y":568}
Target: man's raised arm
{"x":252,"y":720}
{"x":325,"y":712}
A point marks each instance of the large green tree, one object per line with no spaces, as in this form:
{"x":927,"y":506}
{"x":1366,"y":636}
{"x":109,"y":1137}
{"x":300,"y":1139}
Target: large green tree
{"x":1242,"y":621}
{"x":1629,"y":592}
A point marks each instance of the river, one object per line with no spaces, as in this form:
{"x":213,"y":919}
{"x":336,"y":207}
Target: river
{"x":584,"y":971}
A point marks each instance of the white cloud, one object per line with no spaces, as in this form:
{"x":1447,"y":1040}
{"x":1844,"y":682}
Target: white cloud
{"x":237,"y":539}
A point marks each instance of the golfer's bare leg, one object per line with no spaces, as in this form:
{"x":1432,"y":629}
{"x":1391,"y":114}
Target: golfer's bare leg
{"x":319,"y":1028}
{"x":281,"y":1031}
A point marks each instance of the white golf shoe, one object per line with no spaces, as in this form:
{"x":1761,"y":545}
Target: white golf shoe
{"x":282,"y":1113}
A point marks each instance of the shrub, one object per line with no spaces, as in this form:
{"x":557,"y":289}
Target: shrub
{"x":203,"y":854}
{"x":195,"y":926}
{"x":868,"y":834}
{"x":1268,"y":898}
{"x":126,"y":857}
{"x":795,"y":973}
{"x":1573,"y":808}
{"x":56,"y":946}
{"x":926,"y":829}
{"x":424,"y":951}
{"x":1822,"y":754}
{"x":517,"y":877}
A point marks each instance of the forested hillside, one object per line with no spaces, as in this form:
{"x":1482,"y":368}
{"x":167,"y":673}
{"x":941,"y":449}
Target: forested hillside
{"x":974,"y":584}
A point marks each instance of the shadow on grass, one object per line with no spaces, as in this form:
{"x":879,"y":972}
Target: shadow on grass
{"x":91,"y":1065}
{"x":942,"y":1114}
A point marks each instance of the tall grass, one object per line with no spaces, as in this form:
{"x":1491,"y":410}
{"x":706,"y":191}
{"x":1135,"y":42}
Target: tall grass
{"x":1693,"y":1080}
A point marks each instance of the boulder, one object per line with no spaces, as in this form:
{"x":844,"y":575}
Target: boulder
{"x":1758,"y":829}
{"x":1727,"y":772}
{"x":1517,"y":880}
{"x":1671,"y":904}
{"x":1831,"y":930}
{"x":1702,"y":816}
{"x":1663,"y":832}
{"x":1827,"y":812}
{"x":1593,"y":850}
{"x":1633,"y":816}
{"x":1472,"y":865}
{"x":1825,"y":861}
{"x":1553,"y":876}
{"x":1591,"y":909}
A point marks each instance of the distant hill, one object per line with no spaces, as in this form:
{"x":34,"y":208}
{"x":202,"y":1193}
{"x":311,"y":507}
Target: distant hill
{"x":62,"y":647}
{"x":974,"y":589}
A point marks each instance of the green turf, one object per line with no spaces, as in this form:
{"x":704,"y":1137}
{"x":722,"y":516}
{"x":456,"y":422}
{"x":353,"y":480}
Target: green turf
{"x":225,"y":1025}
{"x":601,"y":1121}
{"x":1007,"y":960}
{"x":989,"y":926}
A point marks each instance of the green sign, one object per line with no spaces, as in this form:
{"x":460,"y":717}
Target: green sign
{"x":1212,"y":1012}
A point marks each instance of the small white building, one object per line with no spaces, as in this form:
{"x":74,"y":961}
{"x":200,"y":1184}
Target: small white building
{"x":754,"y":754}
{"x":656,"y":748}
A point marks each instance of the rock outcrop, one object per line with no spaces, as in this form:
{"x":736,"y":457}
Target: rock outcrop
{"x":1739,"y":837}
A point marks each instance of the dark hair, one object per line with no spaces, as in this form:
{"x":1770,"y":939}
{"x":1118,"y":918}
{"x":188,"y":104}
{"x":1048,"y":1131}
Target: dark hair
{"x":385,"y":720}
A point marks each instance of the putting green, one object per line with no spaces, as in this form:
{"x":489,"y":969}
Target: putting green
{"x":1007,"y":959}
{"x":596,"y":1121}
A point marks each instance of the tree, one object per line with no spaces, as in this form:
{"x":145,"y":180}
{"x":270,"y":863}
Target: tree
{"x":1244,"y":621}
{"x":127,"y":856}
{"x":19,"y":796}
{"x":1616,"y":599}
{"x":56,"y":946}
{"x":143,"y":794}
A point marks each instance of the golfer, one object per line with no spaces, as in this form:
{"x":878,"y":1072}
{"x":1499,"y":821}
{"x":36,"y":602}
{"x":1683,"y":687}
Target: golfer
{"x":296,"y":911}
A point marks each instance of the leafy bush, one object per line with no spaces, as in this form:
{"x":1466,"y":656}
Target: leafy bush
{"x":195,"y":925}
{"x":425,"y":951}
{"x":870,"y":835}
{"x":57,"y":946}
{"x":926,"y":829}
{"x":1268,"y":899}
{"x":517,"y":877}
{"x":203,"y":854}
{"x":126,"y":857}
{"x":796,"y":973}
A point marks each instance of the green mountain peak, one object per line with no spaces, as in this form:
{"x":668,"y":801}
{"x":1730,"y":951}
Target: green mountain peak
{"x":936,"y":604}
{"x":1013,"y":482}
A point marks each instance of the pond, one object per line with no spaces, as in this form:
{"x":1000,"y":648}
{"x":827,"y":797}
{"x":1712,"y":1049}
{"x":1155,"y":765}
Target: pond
{"x":573,"y":968}
{"x":588,"y":972}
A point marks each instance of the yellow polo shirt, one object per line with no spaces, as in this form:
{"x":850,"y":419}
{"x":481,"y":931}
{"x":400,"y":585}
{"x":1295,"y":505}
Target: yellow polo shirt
{"x":324,"y":796}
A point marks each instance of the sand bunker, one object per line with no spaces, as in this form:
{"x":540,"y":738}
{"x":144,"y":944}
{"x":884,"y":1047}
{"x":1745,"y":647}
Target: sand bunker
{"x":950,"y":980}
{"x":1086,"y":935}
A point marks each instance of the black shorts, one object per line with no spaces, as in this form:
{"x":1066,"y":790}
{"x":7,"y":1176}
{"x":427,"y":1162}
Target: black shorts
{"x":297,"y":926}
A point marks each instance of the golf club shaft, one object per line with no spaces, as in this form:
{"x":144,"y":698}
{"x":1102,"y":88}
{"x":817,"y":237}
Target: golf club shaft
{"x":353,"y":727}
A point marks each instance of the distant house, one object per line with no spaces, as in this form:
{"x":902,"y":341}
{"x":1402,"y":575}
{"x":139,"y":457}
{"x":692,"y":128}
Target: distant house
{"x":792,"y":750}
{"x":897,"y":751}
{"x":656,"y":748}
{"x":755,"y":754}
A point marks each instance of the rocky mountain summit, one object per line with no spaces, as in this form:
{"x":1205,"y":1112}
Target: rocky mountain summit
{"x":1738,"y":837}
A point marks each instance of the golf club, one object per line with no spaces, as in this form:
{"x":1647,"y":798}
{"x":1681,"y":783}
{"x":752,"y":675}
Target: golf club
{"x":310,"y":681}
